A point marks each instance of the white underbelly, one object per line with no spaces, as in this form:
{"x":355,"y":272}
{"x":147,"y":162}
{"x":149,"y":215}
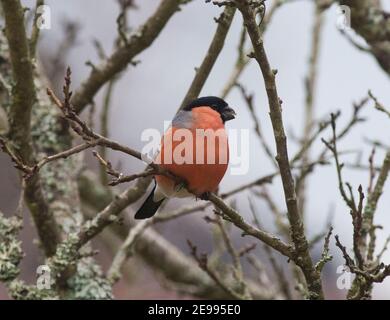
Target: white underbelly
{"x":168,"y":192}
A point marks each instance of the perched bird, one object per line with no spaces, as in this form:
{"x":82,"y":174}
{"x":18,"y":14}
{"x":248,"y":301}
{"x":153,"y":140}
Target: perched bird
{"x":195,"y":149}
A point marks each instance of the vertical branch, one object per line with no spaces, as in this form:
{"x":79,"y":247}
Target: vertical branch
{"x":122,"y":26}
{"x":104,"y":127}
{"x":23,"y":95}
{"x":332,"y":146}
{"x":4,"y":126}
{"x":278,"y":270}
{"x":249,"y":102}
{"x":372,"y":201}
{"x":310,"y":84}
{"x":22,"y":100}
{"x":203,"y":263}
{"x":242,"y":58}
{"x":372,"y":171}
{"x":242,"y":287}
{"x":35,"y":29}
{"x":297,"y":229}
{"x":126,"y":250}
{"x":215,"y":48}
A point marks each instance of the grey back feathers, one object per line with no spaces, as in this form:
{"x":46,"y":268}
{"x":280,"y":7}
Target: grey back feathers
{"x":183,"y":119}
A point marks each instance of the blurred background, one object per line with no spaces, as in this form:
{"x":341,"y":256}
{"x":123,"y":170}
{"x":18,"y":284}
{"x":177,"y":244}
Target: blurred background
{"x":150,"y":93}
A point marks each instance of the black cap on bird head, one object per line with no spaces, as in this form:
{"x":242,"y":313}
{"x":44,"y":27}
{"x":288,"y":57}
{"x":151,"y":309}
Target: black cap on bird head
{"x":215,"y":103}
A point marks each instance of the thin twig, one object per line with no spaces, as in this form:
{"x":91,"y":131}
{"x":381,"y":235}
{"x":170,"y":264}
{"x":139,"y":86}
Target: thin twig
{"x":216,"y":45}
{"x":278,"y":270}
{"x":325,"y":256}
{"x":233,"y":216}
{"x":310,"y":90}
{"x":373,"y":198}
{"x":120,"y":58}
{"x":379,"y":106}
{"x":242,"y":287}
{"x":35,"y":28}
{"x":372,"y":171}
{"x":243,"y":56}
{"x":249,"y":102}
{"x":23,"y":98}
{"x":125,"y":250}
{"x":203,"y":264}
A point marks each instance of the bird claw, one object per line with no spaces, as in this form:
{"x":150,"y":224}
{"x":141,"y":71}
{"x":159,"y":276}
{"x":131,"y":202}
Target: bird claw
{"x":205,"y":196}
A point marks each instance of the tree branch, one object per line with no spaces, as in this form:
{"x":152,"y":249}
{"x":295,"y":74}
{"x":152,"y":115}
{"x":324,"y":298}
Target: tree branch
{"x":235,"y":218}
{"x":22,"y":100}
{"x":215,"y":48}
{"x":23,"y":96}
{"x":373,"y":198}
{"x":243,"y":56}
{"x":370,"y":21}
{"x":155,"y":250}
{"x":119,"y":60}
{"x":310,"y":90}
{"x":298,"y":237}
{"x":35,"y":29}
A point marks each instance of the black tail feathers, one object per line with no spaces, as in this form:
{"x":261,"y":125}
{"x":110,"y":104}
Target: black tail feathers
{"x":149,"y":207}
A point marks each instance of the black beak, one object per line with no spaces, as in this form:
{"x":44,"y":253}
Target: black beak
{"x":228,"y":114}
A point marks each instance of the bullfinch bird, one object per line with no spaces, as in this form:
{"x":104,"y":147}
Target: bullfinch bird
{"x":194,"y":149}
